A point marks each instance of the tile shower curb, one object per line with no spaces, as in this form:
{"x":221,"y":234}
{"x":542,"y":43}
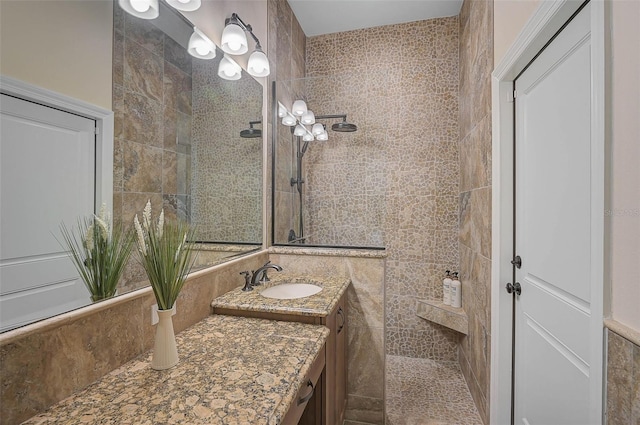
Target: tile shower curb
{"x":623,"y":330}
{"x":329,"y":252}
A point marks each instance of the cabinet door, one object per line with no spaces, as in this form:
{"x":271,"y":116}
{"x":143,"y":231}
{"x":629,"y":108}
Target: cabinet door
{"x":341,"y":360}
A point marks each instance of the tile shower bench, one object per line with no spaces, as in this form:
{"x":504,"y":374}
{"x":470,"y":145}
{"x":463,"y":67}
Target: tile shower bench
{"x":232,"y":370}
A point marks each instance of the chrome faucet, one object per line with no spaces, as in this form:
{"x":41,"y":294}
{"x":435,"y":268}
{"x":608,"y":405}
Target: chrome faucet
{"x":260,"y":275}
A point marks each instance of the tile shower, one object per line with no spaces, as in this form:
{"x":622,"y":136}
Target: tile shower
{"x":414,"y":178}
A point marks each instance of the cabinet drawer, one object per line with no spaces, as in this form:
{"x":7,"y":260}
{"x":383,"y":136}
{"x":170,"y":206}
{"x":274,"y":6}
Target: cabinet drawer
{"x":306,"y":391}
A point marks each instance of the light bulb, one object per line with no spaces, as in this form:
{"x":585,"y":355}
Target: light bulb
{"x":308,"y":137}
{"x":229,"y":69}
{"x":140,"y":5}
{"x":185,"y":5}
{"x":184,"y":1}
{"x":258,"y":64}
{"x":201,"y":49}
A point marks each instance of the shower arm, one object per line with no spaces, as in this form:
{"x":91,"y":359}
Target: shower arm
{"x":325,"y":117}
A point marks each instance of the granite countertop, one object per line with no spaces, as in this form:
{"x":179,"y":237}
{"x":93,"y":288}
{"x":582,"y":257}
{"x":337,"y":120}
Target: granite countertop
{"x":232,"y":370}
{"x":318,"y":305}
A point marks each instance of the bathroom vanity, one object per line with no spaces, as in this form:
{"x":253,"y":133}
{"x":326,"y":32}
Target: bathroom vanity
{"x":327,"y":307}
{"x":232,"y":370}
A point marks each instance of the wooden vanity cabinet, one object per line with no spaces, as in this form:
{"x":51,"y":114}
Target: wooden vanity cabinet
{"x":327,"y":406}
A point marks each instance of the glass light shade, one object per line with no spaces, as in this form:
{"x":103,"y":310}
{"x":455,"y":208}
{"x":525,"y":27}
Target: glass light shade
{"x":282,"y":110}
{"x":317,"y":129}
{"x":308,"y":118}
{"x":201,"y":46}
{"x":299,"y":108}
{"x":185,"y":5}
{"x":229,"y":69}
{"x":289,"y":120}
{"x":234,"y":40}
{"x":258,"y":65}
{"x":145,"y":9}
{"x":324,"y":136}
{"x":308,"y":137}
{"x":299,"y":130}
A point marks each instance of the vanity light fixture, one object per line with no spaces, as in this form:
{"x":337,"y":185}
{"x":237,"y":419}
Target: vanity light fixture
{"x":301,"y":117}
{"x":282,"y":110}
{"x":145,"y":9}
{"x":323,"y":137}
{"x":201,"y":46}
{"x":229,"y":69}
{"x":234,"y":39}
{"x":308,"y":137}
{"x":258,"y":65}
{"x":185,"y":5}
{"x":234,"y":42}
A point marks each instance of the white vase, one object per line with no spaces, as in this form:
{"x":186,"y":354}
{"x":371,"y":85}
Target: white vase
{"x":165,"y":352}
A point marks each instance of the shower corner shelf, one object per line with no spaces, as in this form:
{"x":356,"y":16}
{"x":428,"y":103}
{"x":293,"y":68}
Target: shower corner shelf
{"x":445,"y":315}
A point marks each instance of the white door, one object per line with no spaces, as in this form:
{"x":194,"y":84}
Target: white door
{"x":557,"y":365}
{"x":47,"y":176}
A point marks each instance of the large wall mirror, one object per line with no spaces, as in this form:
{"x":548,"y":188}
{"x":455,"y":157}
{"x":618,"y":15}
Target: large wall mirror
{"x":185,"y":139}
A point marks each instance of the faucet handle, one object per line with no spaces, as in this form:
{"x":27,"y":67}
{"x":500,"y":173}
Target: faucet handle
{"x":247,"y":281}
{"x":265,"y":278}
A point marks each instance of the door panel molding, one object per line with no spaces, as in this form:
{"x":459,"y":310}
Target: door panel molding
{"x":546,"y":21}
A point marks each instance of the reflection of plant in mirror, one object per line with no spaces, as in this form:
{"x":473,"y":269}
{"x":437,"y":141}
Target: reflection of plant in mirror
{"x":99,"y":253}
{"x":166,"y":252}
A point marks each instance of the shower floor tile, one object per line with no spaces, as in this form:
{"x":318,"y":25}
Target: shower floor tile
{"x":426,"y":392}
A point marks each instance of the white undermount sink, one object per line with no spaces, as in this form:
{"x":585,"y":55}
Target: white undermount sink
{"x":290,"y":291}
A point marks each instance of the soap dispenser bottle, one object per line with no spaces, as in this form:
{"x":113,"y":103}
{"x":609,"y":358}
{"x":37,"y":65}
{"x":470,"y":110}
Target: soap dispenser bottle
{"x":456,"y":292}
{"x":446,"y":288}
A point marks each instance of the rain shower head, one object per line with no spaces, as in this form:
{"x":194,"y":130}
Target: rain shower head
{"x":341,"y":127}
{"x":344,"y":127}
{"x":251,"y":133}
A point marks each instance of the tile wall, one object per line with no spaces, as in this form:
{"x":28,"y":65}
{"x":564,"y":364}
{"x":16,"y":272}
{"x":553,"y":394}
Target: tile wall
{"x":365,"y":350}
{"x":399,"y":84}
{"x":623,"y":380}
{"x":476,"y":64}
{"x":227,"y":169}
{"x":152,"y":78}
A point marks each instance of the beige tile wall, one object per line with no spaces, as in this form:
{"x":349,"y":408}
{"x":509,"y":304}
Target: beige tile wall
{"x":152,"y":82}
{"x":42,"y":367}
{"x":394,"y":182}
{"x":476,"y":64}
{"x":227,"y":169}
{"x":623,"y":380}
{"x":365,"y":350}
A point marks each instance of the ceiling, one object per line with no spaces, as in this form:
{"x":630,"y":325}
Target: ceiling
{"x":328,"y":16}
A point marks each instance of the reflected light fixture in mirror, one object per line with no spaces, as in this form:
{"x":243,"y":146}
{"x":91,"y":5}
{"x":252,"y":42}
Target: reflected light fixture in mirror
{"x":145,"y":9}
{"x":185,"y":5}
{"x":229,"y":69}
{"x":201,"y":46}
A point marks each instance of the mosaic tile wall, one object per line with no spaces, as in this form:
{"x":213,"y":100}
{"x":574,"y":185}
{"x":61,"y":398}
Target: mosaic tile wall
{"x":395,"y":181}
{"x":476,"y":64}
{"x":623,"y":380}
{"x":152,"y":125}
{"x":226,"y":188}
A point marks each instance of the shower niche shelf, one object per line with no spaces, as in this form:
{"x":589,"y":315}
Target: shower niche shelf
{"x":445,"y":315}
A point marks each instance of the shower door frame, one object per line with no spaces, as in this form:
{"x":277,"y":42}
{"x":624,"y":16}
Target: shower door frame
{"x":545,"y":22}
